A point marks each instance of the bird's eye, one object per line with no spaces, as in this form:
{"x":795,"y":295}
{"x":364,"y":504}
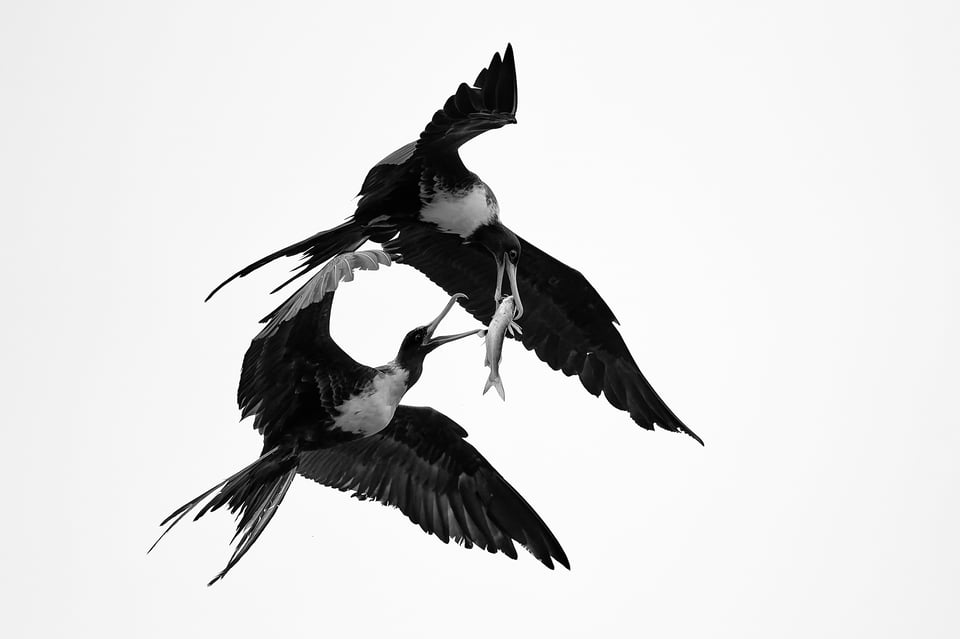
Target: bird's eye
{"x":513,"y":255}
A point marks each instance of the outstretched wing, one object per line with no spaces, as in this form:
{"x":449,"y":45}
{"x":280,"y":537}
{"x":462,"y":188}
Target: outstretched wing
{"x":421,"y":464}
{"x":565,"y":321}
{"x":293,"y":371}
{"x":489,"y":104}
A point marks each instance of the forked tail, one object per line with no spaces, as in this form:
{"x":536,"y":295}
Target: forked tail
{"x":254,"y":494}
{"x":316,"y":250}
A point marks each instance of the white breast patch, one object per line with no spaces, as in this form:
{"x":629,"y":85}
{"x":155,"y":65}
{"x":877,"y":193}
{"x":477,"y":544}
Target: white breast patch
{"x":460,"y":212}
{"x":368,"y":413}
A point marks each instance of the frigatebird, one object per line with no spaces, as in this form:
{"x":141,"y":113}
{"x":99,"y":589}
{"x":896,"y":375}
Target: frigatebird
{"x":423,"y":203}
{"x":328,"y":418}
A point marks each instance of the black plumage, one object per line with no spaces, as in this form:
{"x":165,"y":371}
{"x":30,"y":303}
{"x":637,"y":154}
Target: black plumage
{"x":317,"y":410}
{"x":392,"y":192}
{"x":423,"y":203}
{"x":566,"y":323}
{"x":422,"y":464}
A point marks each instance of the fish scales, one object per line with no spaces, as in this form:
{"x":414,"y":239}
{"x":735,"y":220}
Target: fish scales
{"x":500,"y":325}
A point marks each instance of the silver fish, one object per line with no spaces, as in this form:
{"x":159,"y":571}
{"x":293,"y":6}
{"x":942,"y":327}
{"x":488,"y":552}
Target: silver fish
{"x":501,"y":325}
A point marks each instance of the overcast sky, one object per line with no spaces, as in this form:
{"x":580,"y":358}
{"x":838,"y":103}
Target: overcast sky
{"x":766,"y":197}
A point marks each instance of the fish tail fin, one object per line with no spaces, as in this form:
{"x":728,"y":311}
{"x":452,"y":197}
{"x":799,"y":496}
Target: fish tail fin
{"x":497,"y":383}
{"x":253,"y":494}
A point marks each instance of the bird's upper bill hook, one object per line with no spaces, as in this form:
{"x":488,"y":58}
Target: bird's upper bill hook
{"x":432,"y":327}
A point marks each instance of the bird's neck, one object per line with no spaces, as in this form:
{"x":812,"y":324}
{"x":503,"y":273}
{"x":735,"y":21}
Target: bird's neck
{"x":394,"y":380}
{"x":404,"y":372}
{"x":447,"y":170}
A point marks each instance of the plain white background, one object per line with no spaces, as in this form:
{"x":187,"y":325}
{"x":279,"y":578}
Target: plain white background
{"x":766,"y":196}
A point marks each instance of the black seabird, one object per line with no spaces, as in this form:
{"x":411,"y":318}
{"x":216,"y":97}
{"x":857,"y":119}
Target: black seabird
{"x":328,"y":418}
{"x":422,"y":202}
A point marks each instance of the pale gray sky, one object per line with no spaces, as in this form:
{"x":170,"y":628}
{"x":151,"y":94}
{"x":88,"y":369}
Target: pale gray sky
{"x":766,"y":196}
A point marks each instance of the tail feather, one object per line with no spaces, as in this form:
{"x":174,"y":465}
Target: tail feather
{"x":253,"y":493}
{"x":316,"y":250}
{"x":255,"y":520}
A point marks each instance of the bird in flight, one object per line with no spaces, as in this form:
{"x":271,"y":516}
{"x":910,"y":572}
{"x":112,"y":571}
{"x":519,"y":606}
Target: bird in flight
{"x":331,"y":419}
{"x":424,"y":204}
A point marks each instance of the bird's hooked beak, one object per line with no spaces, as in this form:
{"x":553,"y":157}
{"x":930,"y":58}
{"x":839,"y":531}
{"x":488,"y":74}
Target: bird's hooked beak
{"x":504,"y":263}
{"x":432,"y":341}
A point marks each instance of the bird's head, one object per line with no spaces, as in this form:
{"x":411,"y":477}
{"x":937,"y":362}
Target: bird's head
{"x":504,"y":246}
{"x":420,"y":341}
